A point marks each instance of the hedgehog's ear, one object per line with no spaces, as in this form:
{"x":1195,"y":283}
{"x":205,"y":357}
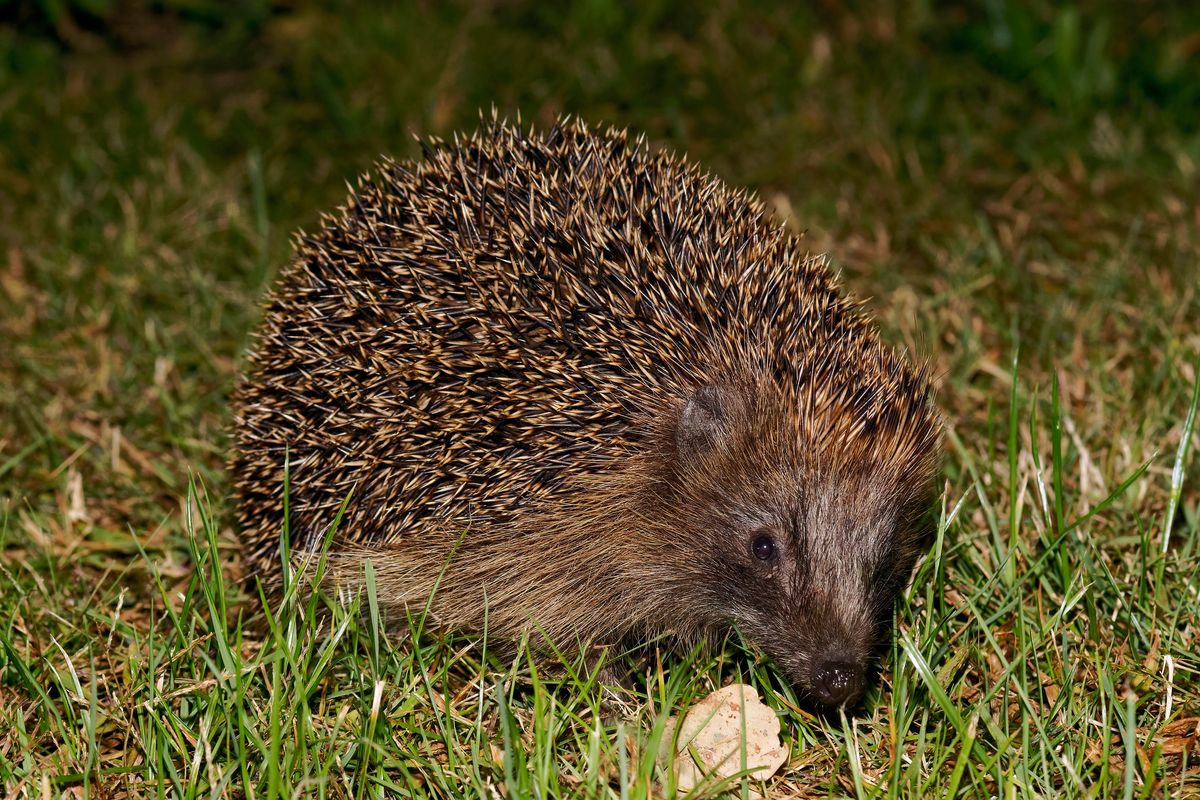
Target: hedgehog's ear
{"x":705,"y":422}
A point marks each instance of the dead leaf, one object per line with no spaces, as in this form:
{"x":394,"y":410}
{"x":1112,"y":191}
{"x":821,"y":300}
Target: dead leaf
{"x":716,"y":733}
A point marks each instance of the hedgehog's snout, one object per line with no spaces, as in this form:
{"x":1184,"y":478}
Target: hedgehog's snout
{"x":825,"y":656}
{"x":837,"y":681}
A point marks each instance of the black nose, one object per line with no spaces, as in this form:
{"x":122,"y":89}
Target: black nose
{"x":836,"y":682}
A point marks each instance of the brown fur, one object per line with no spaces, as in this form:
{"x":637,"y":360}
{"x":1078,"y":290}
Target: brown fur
{"x":597,"y":375}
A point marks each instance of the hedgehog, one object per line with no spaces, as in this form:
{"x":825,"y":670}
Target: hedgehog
{"x":565,"y":385}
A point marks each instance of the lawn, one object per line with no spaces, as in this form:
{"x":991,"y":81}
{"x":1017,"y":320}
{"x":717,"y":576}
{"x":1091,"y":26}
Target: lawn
{"x":1013,"y":190}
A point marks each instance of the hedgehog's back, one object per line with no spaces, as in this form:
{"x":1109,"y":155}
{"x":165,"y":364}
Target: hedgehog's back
{"x":471,"y":330}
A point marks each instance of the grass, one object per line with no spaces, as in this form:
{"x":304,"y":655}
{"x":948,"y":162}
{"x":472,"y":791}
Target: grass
{"x":1014,"y":187}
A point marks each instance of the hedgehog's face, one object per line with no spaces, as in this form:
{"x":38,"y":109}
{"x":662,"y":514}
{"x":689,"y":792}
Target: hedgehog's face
{"x":805,"y":555}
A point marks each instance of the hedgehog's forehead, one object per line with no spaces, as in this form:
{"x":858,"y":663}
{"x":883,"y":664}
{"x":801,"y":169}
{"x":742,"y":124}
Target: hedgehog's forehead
{"x":803,"y":495}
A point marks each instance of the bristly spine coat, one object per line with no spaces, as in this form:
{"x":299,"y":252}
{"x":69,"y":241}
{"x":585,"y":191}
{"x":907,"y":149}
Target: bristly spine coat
{"x":606,"y":381}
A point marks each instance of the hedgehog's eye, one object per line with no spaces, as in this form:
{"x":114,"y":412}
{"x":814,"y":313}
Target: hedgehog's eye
{"x":763,"y":548}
